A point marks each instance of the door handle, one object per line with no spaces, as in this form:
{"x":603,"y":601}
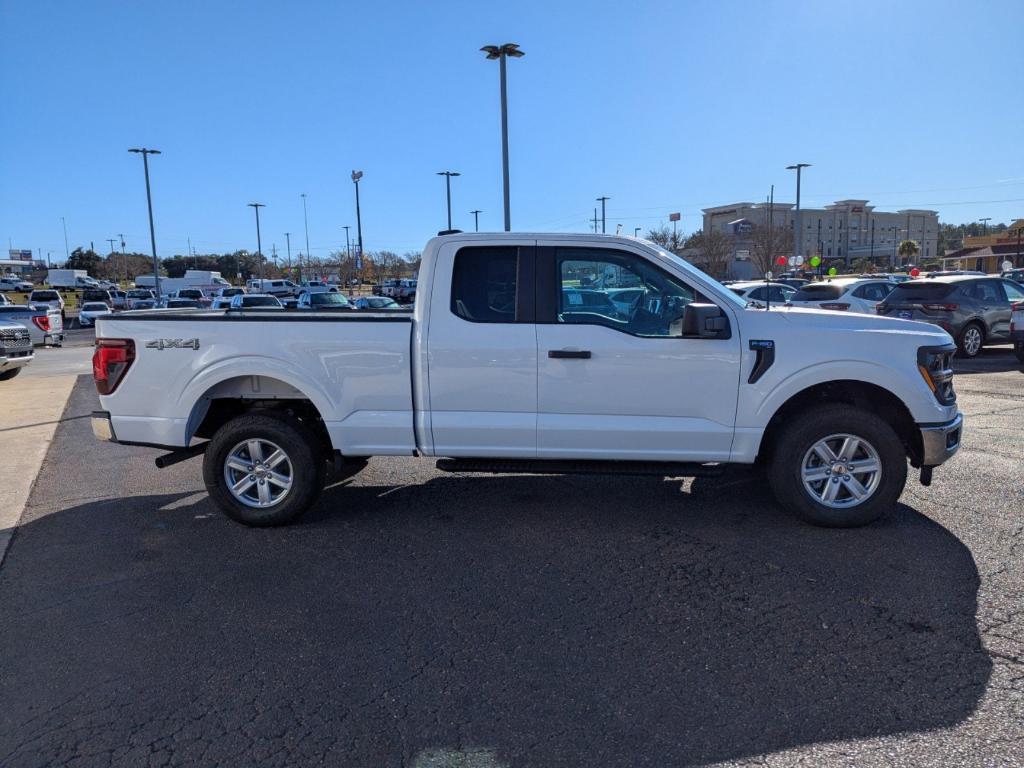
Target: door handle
{"x":569,"y":354}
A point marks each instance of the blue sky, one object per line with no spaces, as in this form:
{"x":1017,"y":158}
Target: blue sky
{"x":661,"y":106}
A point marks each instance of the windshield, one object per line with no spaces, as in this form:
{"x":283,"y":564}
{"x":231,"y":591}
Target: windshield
{"x":328,"y":299}
{"x":688,"y":269}
{"x":95,"y":307}
{"x":819,"y":292}
{"x":260,"y":301}
{"x":44,"y":295}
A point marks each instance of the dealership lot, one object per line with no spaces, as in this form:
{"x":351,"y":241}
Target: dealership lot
{"x":512,"y":621}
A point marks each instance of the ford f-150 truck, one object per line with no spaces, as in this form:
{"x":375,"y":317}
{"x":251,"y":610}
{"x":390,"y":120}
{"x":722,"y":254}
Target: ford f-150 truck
{"x":516,"y":359}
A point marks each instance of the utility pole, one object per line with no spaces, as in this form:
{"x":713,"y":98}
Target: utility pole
{"x":872,"y":241}
{"x":603,"y":200}
{"x":288,"y":239}
{"x":259,"y":246}
{"x":501,"y":52}
{"x":149,"y":202}
{"x":124,"y":260}
{"x":984,"y":224}
{"x":594,"y":221}
{"x":111,"y":240}
{"x":476,"y":220}
{"x":636,"y":231}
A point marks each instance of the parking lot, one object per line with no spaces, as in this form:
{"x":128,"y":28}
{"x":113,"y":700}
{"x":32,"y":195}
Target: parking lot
{"x":415,"y":618}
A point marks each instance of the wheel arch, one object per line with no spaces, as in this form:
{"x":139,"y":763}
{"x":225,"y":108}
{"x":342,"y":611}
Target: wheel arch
{"x":862,"y":394}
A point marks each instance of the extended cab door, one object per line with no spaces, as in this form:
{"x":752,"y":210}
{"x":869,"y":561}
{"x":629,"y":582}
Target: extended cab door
{"x":620,"y":382}
{"x":482,"y":351}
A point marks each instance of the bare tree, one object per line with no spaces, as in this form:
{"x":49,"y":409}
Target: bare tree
{"x":667,"y":238}
{"x":715,"y":249}
{"x":766,"y":244}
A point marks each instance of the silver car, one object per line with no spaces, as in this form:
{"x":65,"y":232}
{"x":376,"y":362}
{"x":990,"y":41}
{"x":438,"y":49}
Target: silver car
{"x":90,"y":311}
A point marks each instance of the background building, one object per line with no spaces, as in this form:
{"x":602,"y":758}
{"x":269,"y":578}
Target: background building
{"x":846,"y":229}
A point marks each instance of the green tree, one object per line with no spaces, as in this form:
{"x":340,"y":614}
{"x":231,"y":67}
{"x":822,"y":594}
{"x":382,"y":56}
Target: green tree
{"x":667,"y":238}
{"x":81,"y":258}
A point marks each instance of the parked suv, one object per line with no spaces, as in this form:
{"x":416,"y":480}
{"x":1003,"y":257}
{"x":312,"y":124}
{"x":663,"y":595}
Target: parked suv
{"x":844,"y":295}
{"x":973,"y":310}
{"x":98,"y":294}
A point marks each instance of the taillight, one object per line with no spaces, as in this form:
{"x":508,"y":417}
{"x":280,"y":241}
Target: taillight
{"x":42,"y":323}
{"x":110,"y":362}
{"x":836,"y":305}
{"x":941,"y":307}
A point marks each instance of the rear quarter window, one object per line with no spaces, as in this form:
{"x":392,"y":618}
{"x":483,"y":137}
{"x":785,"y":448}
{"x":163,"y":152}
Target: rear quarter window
{"x":819,"y":292}
{"x":914,"y":291}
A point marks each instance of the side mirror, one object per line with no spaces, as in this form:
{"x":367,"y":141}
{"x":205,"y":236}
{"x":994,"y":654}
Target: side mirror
{"x":705,"y":321}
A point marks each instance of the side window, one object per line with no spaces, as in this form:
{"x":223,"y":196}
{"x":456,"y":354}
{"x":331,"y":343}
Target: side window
{"x":484,"y":284}
{"x":779,"y":295}
{"x":757,"y":294}
{"x":989,"y":290}
{"x":588,"y":281}
{"x":1013,"y":291}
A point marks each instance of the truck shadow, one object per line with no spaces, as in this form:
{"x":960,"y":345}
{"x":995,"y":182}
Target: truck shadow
{"x":546,"y":620}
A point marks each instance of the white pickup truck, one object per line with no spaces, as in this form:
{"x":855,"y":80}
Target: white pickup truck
{"x":527,"y":353}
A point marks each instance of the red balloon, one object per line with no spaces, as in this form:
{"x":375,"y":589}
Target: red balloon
{"x":781,"y":261}
{"x":915,"y":272}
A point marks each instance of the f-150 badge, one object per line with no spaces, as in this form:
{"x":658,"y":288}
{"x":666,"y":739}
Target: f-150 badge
{"x":173,"y":344}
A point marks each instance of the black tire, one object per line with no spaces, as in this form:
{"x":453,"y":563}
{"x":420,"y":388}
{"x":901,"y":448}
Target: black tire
{"x":795,"y":442}
{"x":1018,"y":350}
{"x":6,"y":375}
{"x":963,"y":340}
{"x":302,"y":448}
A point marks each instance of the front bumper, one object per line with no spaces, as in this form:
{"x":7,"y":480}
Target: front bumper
{"x":940,"y":441}
{"x":15,"y":358}
{"x":102,"y":428}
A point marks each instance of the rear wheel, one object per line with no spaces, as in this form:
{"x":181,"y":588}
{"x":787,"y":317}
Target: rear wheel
{"x":971,"y":340}
{"x":264,"y":469}
{"x":838,"y":466}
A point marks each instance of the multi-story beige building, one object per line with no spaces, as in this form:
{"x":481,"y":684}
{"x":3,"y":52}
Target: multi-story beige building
{"x":847,"y":230}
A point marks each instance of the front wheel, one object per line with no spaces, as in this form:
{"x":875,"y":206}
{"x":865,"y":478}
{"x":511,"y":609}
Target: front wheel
{"x":10,"y":373}
{"x":838,"y":466}
{"x":1018,"y":350}
{"x":971,"y":340}
{"x":264,"y":469}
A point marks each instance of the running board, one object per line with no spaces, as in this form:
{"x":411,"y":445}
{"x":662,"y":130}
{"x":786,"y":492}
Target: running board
{"x":580,"y":467}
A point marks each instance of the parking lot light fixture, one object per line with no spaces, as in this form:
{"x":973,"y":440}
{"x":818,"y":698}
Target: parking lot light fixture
{"x":259,"y":246}
{"x":502,"y":52}
{"x":448,"y":189}
{"x":149,"y":202}
{"x":476,"y":220}
{"x":797,"y":224}
{"x":356,"y":176}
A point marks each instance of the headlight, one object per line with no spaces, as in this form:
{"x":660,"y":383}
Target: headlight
{"x":936,"y":367}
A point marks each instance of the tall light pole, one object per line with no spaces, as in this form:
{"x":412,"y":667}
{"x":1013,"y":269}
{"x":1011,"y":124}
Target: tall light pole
{"x":502,"y":52}
{"x":602,"y":201}
{"x":797,"y":221}
{"x":348,"y":243}
{"x":356,"y":176}
{"x":448,"y":190}
{"x":149,"y":202}
{"x":288,"y":240}
{"x":259,"y":245}
{"x":476,"y":220}
{"x":124,"y":260}
{"x":305,"y":221}
{"x":636,"y":231}
{"x":67,"y":253}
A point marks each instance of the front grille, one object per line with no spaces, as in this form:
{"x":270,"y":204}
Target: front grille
{"x":14,"y":338}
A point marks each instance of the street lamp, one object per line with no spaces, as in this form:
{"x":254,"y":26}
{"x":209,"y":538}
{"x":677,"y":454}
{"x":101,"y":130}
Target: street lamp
{"x":305,"y":221}
{"x":288,"y":245}
{"x":448,"y":188}
{"x":476,"y":220}
{"x":149,"y":202}
{"x":124,"y":260}
{"x":636,"y":231}
{"x":67,"y":253}
{"x":356,"y":176}
{"x":798,"y":223}
{"x":259,"y":246}
{"x":502,"y":52}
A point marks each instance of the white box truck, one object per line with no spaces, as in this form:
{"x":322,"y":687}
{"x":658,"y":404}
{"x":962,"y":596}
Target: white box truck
{"x":75,"y":279}
{"x":205,"y":280}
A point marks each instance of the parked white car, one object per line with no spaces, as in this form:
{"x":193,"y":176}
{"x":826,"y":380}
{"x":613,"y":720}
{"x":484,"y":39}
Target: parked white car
{"x":499,"y":370}
{"x":255,"y":301}
{"x":15,"y":283}
{"x":766,"y":293}
{"x":849,"y":294}
{"x":279,"y":288}
{"x":90,"y":311}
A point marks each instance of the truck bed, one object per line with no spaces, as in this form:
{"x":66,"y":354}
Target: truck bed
{"x":353,"y":366}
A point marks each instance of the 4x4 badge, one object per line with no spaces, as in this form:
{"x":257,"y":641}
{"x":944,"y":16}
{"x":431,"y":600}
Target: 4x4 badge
{"x":173,"y":344}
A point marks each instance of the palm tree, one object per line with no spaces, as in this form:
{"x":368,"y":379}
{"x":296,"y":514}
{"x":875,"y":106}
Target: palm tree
{"x":908,"y":249}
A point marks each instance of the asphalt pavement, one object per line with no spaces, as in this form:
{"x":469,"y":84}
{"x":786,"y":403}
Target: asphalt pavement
{"x":419,"y":619}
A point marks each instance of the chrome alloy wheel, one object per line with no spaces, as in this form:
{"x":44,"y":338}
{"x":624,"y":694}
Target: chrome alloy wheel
{"x":972,"y":341}
{"x":841,"y":471}
{"x":258,"y":473}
